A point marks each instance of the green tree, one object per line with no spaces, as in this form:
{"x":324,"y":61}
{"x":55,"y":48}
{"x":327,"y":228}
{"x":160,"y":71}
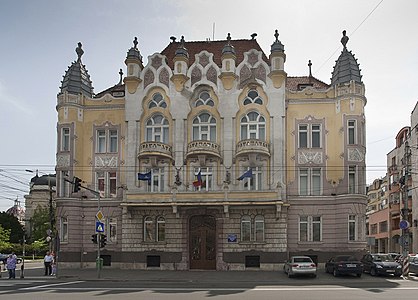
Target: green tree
{"x":4,"y":238}
{"x":12,"y":223}
{"x":40,"y":223}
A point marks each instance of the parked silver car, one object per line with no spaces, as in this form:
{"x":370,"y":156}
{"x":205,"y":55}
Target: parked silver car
{"x":299,"y":265}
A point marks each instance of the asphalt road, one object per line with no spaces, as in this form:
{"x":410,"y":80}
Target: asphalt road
{"x":202,"y":285}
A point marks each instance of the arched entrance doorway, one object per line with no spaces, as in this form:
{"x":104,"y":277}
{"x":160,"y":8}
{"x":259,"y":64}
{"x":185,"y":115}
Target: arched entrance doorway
{"x":202,"y":242}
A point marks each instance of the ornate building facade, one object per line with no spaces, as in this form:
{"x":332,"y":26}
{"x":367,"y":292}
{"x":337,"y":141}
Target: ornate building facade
{"x":211,"y":157}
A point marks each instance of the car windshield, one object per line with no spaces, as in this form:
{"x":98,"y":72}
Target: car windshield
{"x":302,"y":260}
{"x":382,"y":258}
{"x":345,"y":258}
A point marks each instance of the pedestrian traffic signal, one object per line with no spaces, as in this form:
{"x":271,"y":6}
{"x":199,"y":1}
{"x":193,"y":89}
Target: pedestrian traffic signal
{"x":77,"y":184}
{"x":94,"y":238}
{"x":103,"y":240}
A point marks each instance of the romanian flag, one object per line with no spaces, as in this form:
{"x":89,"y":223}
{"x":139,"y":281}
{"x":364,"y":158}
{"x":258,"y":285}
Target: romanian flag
{"x":198,"y":182}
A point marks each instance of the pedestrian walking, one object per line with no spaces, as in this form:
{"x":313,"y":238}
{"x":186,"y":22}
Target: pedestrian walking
{"x":53,"y":264}
{"x":11,"y":265}
{"x":48,"y":260}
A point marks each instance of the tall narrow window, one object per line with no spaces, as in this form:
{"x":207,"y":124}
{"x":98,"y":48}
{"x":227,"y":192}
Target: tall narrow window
{"x":160,"y":229}
{"x":352,"y":174}
{"x":352,"y":138}
{"x":64,"y":229}
{"x":112,"y":184}
{"x":246,"y":228}
{"x":106,"y":141}
{"x":112,"y":231}
{"x":65,"y":186}
{"x":65,"y":139}
{"x":101,"y":141}
{"x":106,"y":183}
{"x":253,"y":126}
{"x":303,"y":136}
{"x":352,"y":228}
{"x":157,"y":180}
{"x":259,"y":228}
{"x":310,"y":181}
{"x":316,"y":181}
{"x":149,"y":229}
{"x":310,"y":228}
{"x":254,"y":183}
{"x":207,"y":179}
{"x":316,"y":136}
{"x":157,"y":129}
{"x":303,"y":228}
{"x":204,"y":128}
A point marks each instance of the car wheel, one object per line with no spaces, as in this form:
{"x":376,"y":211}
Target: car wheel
{"x":335,"y":273}
{"x":373,"y":272}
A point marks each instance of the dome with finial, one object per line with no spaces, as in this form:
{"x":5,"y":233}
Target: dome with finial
{"x":77,"y":79}
{"x":346,"y":67}
{"x":228,"y":48}
{"x":134,"y":52}
{"x":182,"y":50}
{"x":17,"y":210}
{"x":277,"y":45}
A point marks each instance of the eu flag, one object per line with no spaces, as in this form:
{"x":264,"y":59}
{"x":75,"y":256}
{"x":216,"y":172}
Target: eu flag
{"x":247,"y":174}
{"x":145,"y":176}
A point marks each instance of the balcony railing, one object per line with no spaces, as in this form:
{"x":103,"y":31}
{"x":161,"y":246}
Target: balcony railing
{"x":252,"y":146}
{"x":203,"y":147}
{"x":155,"y":149}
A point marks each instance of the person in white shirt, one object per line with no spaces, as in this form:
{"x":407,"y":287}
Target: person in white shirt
{"x":48,"y":260}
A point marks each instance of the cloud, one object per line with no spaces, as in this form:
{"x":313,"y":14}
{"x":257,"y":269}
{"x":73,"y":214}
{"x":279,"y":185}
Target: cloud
{"x":9,"y":101}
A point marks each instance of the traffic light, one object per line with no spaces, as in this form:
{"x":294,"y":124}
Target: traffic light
{"x":77,"y":184}
{"x":94,"y":238}
{"x":103,"y":240}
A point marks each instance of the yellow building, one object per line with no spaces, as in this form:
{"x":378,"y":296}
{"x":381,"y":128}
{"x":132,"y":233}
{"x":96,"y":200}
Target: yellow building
{"x":210,"y":157}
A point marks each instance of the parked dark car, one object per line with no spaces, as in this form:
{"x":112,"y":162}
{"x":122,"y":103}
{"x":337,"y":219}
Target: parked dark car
{"x":381,"y":264}
{"x":3,"y":258}
{"x":344,"y":265}
{"x":413,"y":264}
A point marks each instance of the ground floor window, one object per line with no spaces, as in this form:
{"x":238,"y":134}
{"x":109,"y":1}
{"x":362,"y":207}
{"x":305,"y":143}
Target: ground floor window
{"x":310,"y":228}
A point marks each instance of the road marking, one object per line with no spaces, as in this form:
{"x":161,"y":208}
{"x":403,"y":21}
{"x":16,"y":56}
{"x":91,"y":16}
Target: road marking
{"x":46,"y":286}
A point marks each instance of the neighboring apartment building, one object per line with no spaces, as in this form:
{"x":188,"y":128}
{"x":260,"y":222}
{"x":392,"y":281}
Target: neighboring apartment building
{"x":211,"y":157}
{"x":414,"y":178}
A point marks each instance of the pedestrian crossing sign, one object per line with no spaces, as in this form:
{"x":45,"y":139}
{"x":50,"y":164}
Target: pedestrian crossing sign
{"x":99,"y":226}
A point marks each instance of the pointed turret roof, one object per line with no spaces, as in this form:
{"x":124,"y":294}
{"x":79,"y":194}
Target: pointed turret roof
{"x":77,"y":79}
{"x":346,"y":67}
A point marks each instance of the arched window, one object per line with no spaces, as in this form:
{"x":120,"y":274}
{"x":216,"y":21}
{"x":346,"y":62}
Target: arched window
{"x":204,"y":128}
{"x":253,"y":97}
{"x":157,"y":101}
{"x":259,"y":228}
{"x":149,"y":229}
{"x":157,"y":129}
{"x":246,"y":228}
{"x":160,"y":229}
{"x":204,"y":99}
{"x":253,"y":126}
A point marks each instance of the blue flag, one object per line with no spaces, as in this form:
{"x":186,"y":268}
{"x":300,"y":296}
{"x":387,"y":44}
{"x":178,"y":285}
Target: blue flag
{"x":247,"y":174}
{"x":145,"y":176}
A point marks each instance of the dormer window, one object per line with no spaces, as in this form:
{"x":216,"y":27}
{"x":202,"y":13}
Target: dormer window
{"x":303,"y":86}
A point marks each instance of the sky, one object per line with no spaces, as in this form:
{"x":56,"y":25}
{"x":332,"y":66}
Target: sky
{"x":38,"y":41}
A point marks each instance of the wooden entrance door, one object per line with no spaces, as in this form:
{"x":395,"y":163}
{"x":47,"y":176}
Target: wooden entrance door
{"x":202,"y":243}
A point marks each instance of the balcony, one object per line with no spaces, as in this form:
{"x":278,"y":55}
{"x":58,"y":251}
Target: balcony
{"x":246,"y":147}
{"x":201,"y":147}
{"x":158,"y":149}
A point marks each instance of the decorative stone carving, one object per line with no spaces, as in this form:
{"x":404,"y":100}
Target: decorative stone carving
{"x":203,"y":59}
{"x":63,"y":161}
{"x":211,"y":75}
{"x":148,"y":78}
{"x":244,"y":74}
{"x":310,"y":157}
{"x":196,"y":75}
{"x":156,"y":62}
{"x":252,"y":58}
{"x":105,"y":161}
{"x":260,"y":73}
{"x":164,"y":77}
{"x":355,"y":154}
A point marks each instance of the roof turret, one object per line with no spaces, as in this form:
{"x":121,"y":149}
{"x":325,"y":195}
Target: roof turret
{"x":228,"y":48}
{"x":77,"y":79}
{"x":181,"y":50}
{"x":277,"y":45}
{"x":134,"y":52}
{"x":346,"y":67}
